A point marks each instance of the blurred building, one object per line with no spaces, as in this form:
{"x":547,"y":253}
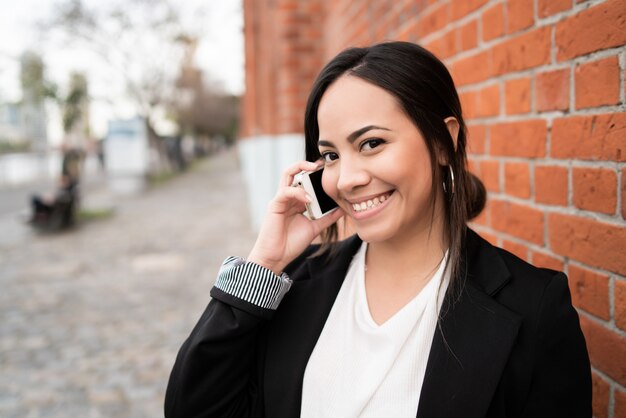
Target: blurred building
{"x":24,"y":124}
{"x":10,"y":123}
{"x":542,"y":88}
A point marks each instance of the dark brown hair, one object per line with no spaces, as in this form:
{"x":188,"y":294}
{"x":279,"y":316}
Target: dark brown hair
{"x":426,"y":93}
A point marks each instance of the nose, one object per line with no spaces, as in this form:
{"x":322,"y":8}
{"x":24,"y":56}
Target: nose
{"x":352,"y":175}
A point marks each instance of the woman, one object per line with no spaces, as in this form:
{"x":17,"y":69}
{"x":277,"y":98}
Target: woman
{"x":415,"y":315}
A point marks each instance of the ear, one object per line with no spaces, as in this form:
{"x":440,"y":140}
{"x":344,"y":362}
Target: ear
{"x":453,"y":128}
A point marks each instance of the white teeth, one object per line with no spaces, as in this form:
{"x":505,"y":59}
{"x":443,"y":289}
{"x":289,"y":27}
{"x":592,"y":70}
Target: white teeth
{"x":369,"y":204}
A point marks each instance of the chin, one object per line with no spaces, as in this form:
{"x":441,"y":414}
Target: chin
{"x":375,"y":233}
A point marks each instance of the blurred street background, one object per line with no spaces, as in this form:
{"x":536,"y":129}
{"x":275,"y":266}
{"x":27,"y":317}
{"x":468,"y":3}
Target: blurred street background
{"x":120,"y":195}
{"x":92,"y":318}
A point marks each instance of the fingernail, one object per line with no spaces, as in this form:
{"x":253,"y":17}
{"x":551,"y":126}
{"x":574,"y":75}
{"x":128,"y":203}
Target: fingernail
{"x":308,"y":198}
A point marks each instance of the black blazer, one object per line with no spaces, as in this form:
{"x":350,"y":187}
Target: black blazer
{"x":509,"y":344}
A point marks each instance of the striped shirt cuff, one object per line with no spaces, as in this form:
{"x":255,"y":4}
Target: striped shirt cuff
{"x":252,"y":283}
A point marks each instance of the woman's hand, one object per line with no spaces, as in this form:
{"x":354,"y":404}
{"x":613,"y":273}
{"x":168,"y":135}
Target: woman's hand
{"x":285,"y":231}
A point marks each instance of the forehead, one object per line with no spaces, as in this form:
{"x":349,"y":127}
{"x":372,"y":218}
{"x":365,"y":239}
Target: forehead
{"x":351,"y":103}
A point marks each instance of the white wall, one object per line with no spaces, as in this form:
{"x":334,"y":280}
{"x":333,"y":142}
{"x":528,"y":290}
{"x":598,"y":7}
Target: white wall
{"x":263,"y":159}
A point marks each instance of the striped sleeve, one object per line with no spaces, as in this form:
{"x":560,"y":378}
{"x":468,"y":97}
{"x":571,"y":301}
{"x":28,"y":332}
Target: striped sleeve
{"x":252,"y":283}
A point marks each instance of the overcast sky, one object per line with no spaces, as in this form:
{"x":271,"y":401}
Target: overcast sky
{"x":220,"y":54}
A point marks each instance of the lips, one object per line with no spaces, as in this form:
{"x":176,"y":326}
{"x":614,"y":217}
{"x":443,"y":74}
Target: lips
{"x":370,"y":203}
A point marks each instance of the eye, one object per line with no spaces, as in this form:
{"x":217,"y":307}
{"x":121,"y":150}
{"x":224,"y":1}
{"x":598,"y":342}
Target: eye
{"x":370,"y":144}
{"x":329,"y":156}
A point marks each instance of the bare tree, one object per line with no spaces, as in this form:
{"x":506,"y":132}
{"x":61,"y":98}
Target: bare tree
{"x":142,"y":40}
{"x":75,"y":109}
{"x":202,"y":108}
{"x":35,"y":89}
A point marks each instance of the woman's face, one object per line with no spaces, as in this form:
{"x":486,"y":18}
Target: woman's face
{"x":377,"y":164}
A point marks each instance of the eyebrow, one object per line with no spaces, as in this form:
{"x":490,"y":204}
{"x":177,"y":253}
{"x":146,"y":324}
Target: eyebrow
{"x":354,"y":135}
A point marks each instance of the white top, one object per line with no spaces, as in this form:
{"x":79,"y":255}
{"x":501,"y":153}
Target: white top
{"x":361,"y":369}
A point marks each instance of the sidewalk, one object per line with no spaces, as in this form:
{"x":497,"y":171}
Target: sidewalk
{"x":91,"y":319}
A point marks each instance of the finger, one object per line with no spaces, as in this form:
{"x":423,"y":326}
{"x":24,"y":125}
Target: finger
{"x":292,"y":170}
{"x":294,"y":207}
{"x":286,"y":196}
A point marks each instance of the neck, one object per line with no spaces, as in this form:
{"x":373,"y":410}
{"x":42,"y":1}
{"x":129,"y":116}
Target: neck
{"x":414,"y":256}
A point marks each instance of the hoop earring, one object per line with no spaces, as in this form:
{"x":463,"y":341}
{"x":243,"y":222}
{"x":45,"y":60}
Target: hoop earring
{"x":451,"y":179}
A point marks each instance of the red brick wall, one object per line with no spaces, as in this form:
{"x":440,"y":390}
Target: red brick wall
{"x":283,"y":56}
{"x":543,"y":90}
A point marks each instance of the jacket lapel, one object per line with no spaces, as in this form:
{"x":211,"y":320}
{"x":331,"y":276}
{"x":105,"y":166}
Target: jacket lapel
{"x":291,"y":338}
{"x":472,"y":343}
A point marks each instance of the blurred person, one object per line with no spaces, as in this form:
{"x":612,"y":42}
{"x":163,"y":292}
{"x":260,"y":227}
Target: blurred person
{"x":415,"y":314}
{"x":61,"y":203}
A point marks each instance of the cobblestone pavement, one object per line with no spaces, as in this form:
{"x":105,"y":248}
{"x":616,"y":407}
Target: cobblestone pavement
{"x":91,"y":319}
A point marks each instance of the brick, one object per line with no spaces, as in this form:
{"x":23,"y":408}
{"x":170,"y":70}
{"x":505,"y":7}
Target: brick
{"x":600,"y":396}
{"x":467,"y":36}
{"x":525,"y":51}
{"x":518,"y":249}
{"x":590,"y":291}
{"x":549,"y":7}
{"x":462,"y":8}
{"x":607,"y":350}
{"x":517,"y":96}
{"x":469,"y":104}
{"x":517,"y":180}
{"x":488,"y":101}
{"x":594,"y":243}
{"x":594,"y":137}
{"x":473,"y":165}
{"x":620,"y":304}
{"x":620,"y":404}
{"x":595,"y":189}
{"x":552,"y":90}
{"x":490,"y":175}
{"x":591,"y":30}
{"x":443,"y":46}
{"x":597,"y":83}
{"x":433,"y":19}
{"x":551,"y":185}
{"x":408,"y":29}
{"x":520,"y":15}
{"x":519,"y":139}
{"x":523,"y":222}
{"x":476,"y":136}
{"x":547,"y":261}
{"x":472,"y":69}
{"x":493,"y":22}
{"x":624,"y":193}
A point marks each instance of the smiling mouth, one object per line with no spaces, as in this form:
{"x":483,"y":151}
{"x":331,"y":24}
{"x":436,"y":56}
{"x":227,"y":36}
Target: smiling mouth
{"x":370,"y":203}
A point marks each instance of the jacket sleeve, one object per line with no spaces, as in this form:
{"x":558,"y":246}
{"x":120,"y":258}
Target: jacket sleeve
{"x":215,"y":371}
{"x":561,"y":380}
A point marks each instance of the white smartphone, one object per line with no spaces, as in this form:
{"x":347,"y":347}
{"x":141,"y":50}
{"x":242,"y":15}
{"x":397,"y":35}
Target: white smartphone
{"x":311,"y":182}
